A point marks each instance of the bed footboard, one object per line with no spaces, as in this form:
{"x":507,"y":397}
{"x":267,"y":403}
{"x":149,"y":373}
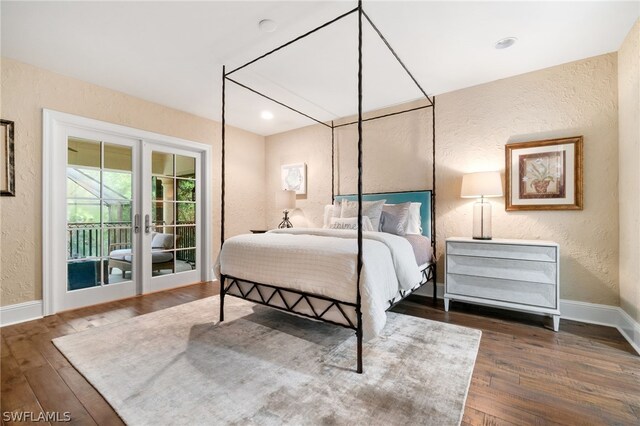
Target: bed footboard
{"x":316,"y":307}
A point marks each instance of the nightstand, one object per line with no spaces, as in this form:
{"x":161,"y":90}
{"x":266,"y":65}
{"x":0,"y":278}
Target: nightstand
{"x":522,"y":275}
{"x":258,"y":231}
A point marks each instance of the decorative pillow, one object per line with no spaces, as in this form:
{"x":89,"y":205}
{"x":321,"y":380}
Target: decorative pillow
{"x":350,"y":223}
{"x":330,"y":210}
{"x":395,"y":218}
{"x":162,"y":241}
{"x":371,"y":209}
{"x":414,"y":224}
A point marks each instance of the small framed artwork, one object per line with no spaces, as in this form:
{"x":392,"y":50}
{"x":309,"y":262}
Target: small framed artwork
{"x":294,"y":177}
{"x":544,"y":175}
{"x":7,"y":159}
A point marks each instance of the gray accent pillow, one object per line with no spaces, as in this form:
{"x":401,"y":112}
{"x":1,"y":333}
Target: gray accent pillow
{"x":162,"y":241}
{"x":395,"y":218}
{"x":371,"y":209}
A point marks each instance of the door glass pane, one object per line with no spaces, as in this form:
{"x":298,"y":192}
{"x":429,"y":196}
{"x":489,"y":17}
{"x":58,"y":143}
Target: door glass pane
{"x":83,"y":241}
{"x":173,"y":203}
{"x":116,"y":212}
{"x":186,"y":190}
{"x":186,"y":213}
{"x":185,"y":260}
{"x":99,"y":213}
{"x":117,"y":157}
{"x":83,"y":152}
{"x":185,"y":167}
{"x":83,"y":183}
{"x":185,"y":237}
{"x":162,"y":188}
{"x":162,"y":213}
{"x":161,"y":163}
{"x":117,"y":185}
{"x":162,"y":262}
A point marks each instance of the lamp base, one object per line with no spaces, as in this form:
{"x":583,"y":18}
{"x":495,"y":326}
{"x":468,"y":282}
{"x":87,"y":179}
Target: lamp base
{"x":286,"y":223}
{"x":482,"y":220}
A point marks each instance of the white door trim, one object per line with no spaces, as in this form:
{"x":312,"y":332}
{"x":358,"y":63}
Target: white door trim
{"x":51,"y":123}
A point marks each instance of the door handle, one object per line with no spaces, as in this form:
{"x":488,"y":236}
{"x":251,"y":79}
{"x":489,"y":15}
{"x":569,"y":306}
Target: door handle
{"x":136,"y":223}
{"x":146,"y":224}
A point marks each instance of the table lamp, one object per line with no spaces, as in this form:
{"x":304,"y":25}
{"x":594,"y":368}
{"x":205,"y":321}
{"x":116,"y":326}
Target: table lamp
{"x":481,"y":185}
{"x":286,"y":200}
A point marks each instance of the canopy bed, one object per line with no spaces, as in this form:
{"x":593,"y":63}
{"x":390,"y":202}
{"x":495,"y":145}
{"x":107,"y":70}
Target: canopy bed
{"x":345,"y":277}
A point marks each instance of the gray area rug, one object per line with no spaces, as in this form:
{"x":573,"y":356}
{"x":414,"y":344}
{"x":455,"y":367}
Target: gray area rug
{"x":265,"y":367}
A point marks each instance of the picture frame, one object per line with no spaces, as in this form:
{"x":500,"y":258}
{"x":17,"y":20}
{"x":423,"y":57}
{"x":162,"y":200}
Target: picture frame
{"x":7,"y":159}
{"x":293,"y":177}
{"x":544,"y":175}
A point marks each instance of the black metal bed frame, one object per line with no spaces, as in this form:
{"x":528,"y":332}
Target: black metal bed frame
{"x":265,"y":294}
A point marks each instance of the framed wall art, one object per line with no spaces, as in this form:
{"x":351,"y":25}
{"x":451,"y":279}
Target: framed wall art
{"x":544,"y":175}
{"x":7,"y":159}
{"x":294,"y":177}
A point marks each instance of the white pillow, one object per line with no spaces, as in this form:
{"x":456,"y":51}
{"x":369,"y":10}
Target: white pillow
{"x":350,"y":223}
{"x":330,"y":210}
{"x":372,"y":209}
{"x":414,"y":224}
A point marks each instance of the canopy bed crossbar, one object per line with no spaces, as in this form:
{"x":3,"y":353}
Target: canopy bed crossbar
{"x":275,"y":296}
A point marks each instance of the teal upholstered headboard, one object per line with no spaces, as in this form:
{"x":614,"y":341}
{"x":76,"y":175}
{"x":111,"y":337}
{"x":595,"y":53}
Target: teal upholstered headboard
{"x":423,"y":197}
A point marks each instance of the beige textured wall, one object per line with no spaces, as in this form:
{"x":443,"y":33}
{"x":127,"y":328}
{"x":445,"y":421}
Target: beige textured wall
{"x":388,"y":145}
{"x":26,"y":90}
{"x":629,"y":176}
{"x":472,"y":127}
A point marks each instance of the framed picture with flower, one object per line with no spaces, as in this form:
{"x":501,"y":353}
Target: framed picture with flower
{"x":544,"y":175}
{"x":293,"y":177}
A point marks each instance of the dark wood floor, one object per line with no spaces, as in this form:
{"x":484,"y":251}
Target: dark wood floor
{"x":524,"y":374}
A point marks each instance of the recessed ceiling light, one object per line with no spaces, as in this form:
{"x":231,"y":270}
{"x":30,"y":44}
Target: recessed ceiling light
{"x":267,"y":115}
{"x":505,"y":42}
{"x":267,"y":26}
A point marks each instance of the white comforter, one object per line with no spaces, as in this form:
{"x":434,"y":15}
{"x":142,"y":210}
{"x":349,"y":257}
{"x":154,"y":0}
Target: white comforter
{"x":324,"y":262}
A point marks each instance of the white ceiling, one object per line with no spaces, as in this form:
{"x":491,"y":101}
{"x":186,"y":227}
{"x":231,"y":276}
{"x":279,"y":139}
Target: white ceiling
{"x":172,"y":53}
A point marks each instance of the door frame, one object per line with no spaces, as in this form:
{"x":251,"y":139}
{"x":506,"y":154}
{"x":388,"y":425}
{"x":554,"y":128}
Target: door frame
{"x":53,"y":152}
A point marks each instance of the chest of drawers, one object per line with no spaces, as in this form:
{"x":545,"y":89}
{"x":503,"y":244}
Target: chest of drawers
{"x":513,"y":274}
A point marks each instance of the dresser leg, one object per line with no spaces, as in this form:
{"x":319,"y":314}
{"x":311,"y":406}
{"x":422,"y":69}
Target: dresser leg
{"x":446,"y":304}
{"x":556,"y":322}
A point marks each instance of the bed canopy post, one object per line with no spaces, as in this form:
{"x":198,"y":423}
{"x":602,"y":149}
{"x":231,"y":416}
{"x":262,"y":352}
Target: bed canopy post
{"x":222,"y":195}
{"x":358,"y":297}
{"x":224,"y":80}
{"x":333,"y":167}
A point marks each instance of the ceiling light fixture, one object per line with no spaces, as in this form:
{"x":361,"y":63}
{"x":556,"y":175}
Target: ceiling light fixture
{"x":267,"y":26}
{"x":266,"y":115}
{"x":505,"y":42}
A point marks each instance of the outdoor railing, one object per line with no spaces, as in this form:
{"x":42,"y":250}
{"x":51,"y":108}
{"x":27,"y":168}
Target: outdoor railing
{"x":83,"y":239}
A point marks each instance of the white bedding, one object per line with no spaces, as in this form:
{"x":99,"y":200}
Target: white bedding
{"x":324,"y":262}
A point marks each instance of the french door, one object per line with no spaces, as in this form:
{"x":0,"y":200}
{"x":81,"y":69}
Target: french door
{"x":171,"y":208}
{"x":126,"y":217}
{"x":101,"y":204}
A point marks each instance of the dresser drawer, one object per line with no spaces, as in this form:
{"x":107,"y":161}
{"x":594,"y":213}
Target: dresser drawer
{"x":508,"y":269}
{"x":522,"y":292}
{"x":504,"y":251}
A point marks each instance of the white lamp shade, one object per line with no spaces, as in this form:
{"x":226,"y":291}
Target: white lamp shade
{"x":286,"y":199}
{"x":481,"y":184}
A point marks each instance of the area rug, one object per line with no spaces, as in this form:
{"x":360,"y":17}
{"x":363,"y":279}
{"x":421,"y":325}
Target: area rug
{"x":265,"y":367}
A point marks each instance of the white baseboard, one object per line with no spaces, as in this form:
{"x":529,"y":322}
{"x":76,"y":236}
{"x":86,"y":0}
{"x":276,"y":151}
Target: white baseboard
{"x":20,"y":312}
{"x":630,"y":329}
{"x":592,"y":313}
{"x":611,"y":316}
